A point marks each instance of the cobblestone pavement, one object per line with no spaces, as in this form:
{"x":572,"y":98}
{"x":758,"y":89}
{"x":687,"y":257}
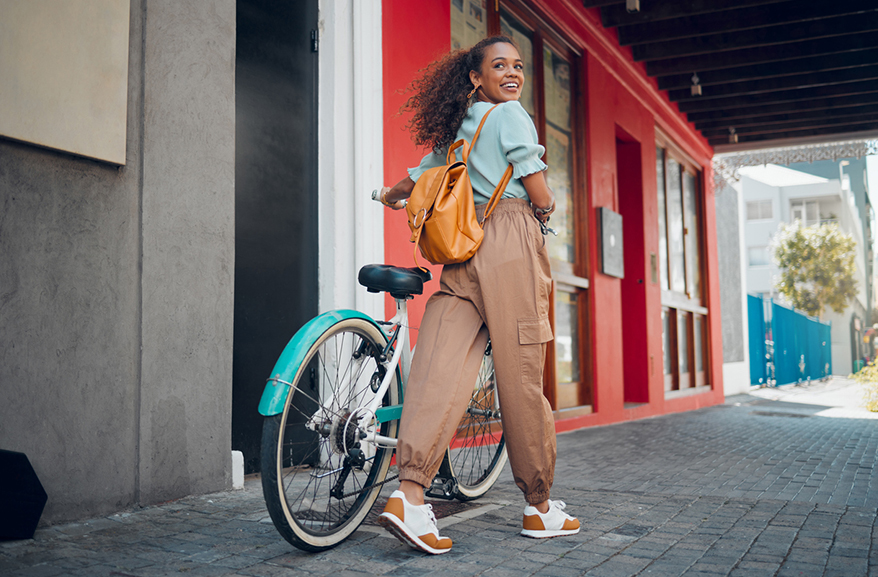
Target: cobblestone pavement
{"x":760,"y":486}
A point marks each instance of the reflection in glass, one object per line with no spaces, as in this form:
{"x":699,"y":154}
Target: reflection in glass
{"x":556,"y":74}
{"x":683,"y":340}
{"x":699,"y":343}
{"x":693,"y":248}
{"x":666,"y":340}
{"x":559,"y":154}
{"x":662,"y":216}
{"x":675,"y":226}
{"x":511,"y":27}
{"x":566,"y":337}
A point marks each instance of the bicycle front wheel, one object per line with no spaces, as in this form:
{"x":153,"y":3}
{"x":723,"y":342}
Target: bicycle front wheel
{"x":477,"y":452}
{"x":318,"y":478}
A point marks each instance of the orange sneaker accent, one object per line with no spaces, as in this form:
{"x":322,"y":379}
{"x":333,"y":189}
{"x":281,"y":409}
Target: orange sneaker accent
{"x":395,"y":507}
{"x":432,"y":541}
{"x":533,"y":523}
{"x":571,"y":524}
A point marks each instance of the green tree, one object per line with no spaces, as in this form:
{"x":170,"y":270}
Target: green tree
{"x":817,"y":267}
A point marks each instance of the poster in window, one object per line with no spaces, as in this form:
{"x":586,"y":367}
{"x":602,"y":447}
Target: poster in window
{"x":476,"y":22}
{"x":557,"y":84}
{"x":458,"y":24}
{"x":559,"y":180}
{"x":525,"y":47}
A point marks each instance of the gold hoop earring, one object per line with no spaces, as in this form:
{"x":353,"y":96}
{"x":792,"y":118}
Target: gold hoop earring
{"x":471,"y":94}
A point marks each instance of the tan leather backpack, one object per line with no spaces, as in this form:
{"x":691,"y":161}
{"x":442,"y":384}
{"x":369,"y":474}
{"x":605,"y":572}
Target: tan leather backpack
{"x":441,"y":212}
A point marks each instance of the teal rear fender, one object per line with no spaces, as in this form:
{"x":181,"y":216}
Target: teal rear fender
{"x":285,"y":370}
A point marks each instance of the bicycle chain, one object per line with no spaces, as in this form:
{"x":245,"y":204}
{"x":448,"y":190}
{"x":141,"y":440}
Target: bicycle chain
{"x":352,"y":493}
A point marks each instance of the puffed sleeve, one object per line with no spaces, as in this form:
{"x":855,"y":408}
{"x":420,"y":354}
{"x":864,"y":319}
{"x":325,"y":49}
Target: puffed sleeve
{"x":518,"y":139}
{"x":432,"y":160}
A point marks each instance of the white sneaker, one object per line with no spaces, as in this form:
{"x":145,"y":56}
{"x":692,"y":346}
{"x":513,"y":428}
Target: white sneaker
{"x":554,"y":523}
{"x":413,"y":524}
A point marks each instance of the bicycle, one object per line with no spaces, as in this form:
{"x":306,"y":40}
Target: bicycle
{"x":332,"y":407}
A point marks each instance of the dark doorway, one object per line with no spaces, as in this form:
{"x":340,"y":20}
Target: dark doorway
{"x":629,"y":173}
{"x":275,"y":198}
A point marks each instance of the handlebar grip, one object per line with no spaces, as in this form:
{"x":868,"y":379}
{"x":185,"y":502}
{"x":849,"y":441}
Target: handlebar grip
{"x":376,"y":196}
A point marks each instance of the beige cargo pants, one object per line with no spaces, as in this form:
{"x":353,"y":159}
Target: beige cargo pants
{"x":504,"y":287}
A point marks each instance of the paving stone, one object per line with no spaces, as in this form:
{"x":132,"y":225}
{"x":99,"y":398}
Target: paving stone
{"x":711,"y":492}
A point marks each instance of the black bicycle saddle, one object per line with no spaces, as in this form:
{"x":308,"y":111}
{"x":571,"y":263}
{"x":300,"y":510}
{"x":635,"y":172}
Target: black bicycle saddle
{"x":401,"y":283}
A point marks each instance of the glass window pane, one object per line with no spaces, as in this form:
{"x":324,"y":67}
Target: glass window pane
{"x":699,"y":343}
{"x":559,"y":154}
{"x":693,"y":235}
{"x":683,"y":341}
{"x":675,"y":227}
{"x":812,"y":215}
{"x":556,"y":74}
{"x":757,"y":256}
{"x":566,"y":337}
{"x":469,"y":22}
{"x":759,"y":210}
{"x":662,"y":215}
{"x":511,"y":27}
{"x":666,"y":340}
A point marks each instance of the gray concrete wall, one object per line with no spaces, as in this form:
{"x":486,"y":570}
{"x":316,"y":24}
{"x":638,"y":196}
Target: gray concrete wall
{"x":731,"y":284}
{"x":116,"y":284}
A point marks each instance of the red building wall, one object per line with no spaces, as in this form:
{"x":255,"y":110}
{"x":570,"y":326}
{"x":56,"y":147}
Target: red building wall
{"x":622,"y":108}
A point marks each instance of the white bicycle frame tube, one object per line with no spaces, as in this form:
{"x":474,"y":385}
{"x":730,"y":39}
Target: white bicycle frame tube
{"x":402,"y":359}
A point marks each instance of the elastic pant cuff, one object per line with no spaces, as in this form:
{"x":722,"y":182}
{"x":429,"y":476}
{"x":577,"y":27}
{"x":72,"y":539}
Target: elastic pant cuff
{"x":415,"y":476}
{"x":534,"y":498}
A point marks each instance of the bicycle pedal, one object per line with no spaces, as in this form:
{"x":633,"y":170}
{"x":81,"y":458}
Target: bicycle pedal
{"x":442,"y":489}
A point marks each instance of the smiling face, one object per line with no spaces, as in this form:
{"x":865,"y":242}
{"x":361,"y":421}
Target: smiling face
{"x":501,"y":77}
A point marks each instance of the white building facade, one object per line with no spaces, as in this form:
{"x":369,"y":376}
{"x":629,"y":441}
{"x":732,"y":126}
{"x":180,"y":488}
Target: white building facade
{"x":774,"y":196}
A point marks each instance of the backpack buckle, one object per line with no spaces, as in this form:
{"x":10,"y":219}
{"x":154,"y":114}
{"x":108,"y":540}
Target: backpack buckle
{"x":423,"y":212}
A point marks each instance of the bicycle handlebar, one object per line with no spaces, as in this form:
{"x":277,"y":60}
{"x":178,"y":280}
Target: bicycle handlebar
{"x":376,"y":196}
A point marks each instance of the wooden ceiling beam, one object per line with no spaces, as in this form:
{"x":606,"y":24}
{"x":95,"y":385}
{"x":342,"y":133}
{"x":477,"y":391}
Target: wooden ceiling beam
{"x":763,"y":85}
{"x":862,"y":87}
{"x":827,"y":131}
{"x":792,"y":117}
{"x":775,"y":34}
{"x":787,"y":126}
{"x":750,"y":56}
{"x":783,"y":108}
{"x":600,"y":3}
{"x":655,"y":10}
{"x":770,"y":69}
{"x":786,"y":12}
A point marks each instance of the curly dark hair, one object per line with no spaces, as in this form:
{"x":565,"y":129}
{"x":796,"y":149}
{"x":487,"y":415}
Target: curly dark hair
{"x":440,"y":94}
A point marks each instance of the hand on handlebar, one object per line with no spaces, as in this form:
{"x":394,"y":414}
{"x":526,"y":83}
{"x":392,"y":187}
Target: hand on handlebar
{"x":380,"y":195}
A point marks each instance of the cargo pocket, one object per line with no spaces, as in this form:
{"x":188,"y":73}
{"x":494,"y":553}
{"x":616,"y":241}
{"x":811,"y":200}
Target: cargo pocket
{"x":533,"y":334}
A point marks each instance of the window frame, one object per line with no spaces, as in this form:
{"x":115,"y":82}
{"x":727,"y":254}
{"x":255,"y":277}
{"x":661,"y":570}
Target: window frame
{"x":760,"y":218}
{"x":569,"y":277}
{"x":676,"y":303}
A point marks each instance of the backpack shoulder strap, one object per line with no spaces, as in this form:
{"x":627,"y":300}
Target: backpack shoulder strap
{"x":476,"y":135}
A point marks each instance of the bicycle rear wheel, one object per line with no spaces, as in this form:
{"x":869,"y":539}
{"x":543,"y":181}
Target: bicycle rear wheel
{"x":316,"y":493}
{"x":477,"y":452}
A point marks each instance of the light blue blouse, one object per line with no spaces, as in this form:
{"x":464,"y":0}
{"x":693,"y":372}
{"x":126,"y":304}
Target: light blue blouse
{"x":509,"y":136}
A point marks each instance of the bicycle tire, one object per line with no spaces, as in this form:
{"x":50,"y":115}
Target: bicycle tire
{"x":301,"y":466}
{"x":477,"y":452}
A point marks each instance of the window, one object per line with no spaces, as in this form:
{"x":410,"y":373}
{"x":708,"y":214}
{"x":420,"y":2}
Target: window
{"x":760,"y":210}
{"x":681,"y":255}
{"x":549,"y":96}
{"x":807,"y":211}
{"x":757,"y":256}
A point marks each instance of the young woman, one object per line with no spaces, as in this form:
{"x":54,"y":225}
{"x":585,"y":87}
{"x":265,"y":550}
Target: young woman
{"x":503,"y":290}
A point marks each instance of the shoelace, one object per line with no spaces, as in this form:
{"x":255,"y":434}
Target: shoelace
{"x":559,"y":505}
{"x":431,"y":515}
